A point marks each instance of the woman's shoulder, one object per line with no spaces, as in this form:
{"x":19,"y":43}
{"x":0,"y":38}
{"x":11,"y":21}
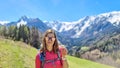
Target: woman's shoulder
{"x":38,"y":55}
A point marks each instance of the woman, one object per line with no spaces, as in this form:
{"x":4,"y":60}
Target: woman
{"x":51,"y":54}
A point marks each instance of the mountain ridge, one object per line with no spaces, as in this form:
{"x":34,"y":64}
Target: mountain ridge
{"x":75,"y":31}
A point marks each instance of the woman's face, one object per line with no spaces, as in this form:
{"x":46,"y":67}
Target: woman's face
{"x":50,"y":39}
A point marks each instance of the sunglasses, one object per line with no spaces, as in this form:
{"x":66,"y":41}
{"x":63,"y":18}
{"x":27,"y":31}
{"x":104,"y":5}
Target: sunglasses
{"x":50,"y":38}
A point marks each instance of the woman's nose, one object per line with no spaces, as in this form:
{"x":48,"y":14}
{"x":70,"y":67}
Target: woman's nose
{"x":50,"y":38}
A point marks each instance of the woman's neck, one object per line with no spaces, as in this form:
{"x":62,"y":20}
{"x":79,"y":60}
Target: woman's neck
{"x":49,"y":48}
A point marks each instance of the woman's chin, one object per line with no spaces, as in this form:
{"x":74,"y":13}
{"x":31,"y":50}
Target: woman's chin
{"x":50,"y":44}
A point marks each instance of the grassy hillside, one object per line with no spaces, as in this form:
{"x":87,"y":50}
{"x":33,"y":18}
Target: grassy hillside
{"x":81,"y":63}
{"x":15,"y":54}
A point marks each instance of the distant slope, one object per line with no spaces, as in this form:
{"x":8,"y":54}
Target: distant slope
{"x":15,"y":54}
{"x":81,"y":63}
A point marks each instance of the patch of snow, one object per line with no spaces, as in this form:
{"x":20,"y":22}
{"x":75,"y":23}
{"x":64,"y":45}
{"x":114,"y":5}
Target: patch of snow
{"x":21,"y":23}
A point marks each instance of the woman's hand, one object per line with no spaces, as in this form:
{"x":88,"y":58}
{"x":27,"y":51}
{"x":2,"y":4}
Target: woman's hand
{"x":63,"y":51}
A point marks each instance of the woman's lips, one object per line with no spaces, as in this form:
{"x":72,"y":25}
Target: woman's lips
{"x":48,"y":42}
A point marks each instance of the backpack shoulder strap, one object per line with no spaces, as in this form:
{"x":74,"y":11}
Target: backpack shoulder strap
{"x":59,"y":57}
{"x":42,"y":59}
{"x":58,"y":53}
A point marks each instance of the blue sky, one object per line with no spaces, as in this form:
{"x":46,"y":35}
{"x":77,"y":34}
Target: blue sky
{"x":61,"y":10}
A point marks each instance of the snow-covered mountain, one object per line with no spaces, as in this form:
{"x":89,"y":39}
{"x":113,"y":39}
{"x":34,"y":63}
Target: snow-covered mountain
{"x":77,"y":28}
{"x":4,"y":22}
{"x":81,"y":32}
{"x":36,"y":22}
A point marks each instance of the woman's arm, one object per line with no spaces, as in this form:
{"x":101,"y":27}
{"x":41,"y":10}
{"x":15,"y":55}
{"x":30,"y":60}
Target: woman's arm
{"x":64,"y":59}
{"x":37,"y":61}
{"x":65,"y":63}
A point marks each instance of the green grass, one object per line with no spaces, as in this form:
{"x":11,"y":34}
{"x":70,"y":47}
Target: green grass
{"x":14,"y":54}
{"x":82,"y":63}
